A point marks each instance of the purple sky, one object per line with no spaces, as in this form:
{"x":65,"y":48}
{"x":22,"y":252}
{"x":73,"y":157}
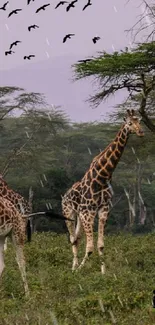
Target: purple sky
{"x":50,"y":71}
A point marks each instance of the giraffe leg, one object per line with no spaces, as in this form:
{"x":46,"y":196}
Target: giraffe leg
{"x":87,"y":220}
{"x":21,"y":263}
{"x":5,"y":244}
{"x":75,"y":244}
{"x":2,"y":265}
{"x":103,"y":214}
{"x":69,"y":213}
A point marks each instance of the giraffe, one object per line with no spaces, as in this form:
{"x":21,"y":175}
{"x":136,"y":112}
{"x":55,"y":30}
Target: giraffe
{"x":19,"y":202}
{"x":13,"y":224}
{"x":92,"y":195}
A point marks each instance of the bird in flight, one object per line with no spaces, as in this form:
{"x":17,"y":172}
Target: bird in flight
{"x":71,"y":5}
{"x":85,"y":61}
{"x":14,"y":12}
{"x":29,"y":56}
{"x":14,"y":43}
{"x":9,"y":52}
{"x":67,"y":36}
{"x":42,"y":7}
{"x":4,"y":6}
{"x":60,"y":3}
{"x":95,"y":39}
{"x":32,"y":26}
{"x":28,"y":1}
{"x":87,"y":4}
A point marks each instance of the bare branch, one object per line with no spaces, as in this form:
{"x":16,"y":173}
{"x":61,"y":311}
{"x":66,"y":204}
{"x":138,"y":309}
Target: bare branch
{"x":16,"y":153}
{"x":141,"y":25}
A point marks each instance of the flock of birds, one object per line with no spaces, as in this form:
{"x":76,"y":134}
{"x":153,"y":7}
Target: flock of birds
{"x":43,"y":7}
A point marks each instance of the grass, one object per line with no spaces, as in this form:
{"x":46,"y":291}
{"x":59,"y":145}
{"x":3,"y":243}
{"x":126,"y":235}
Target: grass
{"x":122,"y":296}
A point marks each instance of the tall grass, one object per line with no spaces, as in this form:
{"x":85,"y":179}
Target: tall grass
{"x":121,"y":296}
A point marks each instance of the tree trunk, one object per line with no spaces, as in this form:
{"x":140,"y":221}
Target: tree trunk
{"x":132,"y":211}
{"x":142,"y":208}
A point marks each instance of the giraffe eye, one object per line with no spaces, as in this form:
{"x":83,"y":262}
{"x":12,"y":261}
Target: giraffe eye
{"x":130,"y":123}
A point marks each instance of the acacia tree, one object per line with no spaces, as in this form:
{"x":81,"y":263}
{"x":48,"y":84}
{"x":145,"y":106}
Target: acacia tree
{"x":37,"y":119}
{"x":13,"y":99}
{"x":131,"y":70}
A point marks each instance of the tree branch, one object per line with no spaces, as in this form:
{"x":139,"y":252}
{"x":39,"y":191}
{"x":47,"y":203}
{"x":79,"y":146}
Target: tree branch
{"x":142,"y":109}
{"x":16,"y":153}
{"x":149,"y":13}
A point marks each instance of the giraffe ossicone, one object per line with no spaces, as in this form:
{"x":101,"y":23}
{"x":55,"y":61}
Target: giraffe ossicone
{"x":93,"y":194}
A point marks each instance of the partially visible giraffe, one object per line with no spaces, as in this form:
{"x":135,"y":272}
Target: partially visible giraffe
{"x":18,"y":201}
{"x":93,"y":194}
{"x":13,"y":224}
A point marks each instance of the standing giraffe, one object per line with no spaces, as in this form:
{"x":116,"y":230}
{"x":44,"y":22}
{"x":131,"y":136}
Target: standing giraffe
{"x":13,"y":224}
{"x":18,"y":201}
{"x":92,"y":195}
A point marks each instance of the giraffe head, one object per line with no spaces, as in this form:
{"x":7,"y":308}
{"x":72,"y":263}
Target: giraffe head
{"x":133,"y":123}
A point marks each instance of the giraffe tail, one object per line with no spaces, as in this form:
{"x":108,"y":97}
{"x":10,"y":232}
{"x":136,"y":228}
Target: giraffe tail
{"x":29,"y":231}
{"x":52,"y":214}
{"x":49,"y":213}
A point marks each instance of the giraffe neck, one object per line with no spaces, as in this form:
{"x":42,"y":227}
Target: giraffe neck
{"x":108,"y":159}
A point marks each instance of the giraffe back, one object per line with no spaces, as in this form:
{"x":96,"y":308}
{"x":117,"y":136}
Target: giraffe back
{"x":72,"y":197}
{"x":11,"y":221}
{"x":15,"y":198}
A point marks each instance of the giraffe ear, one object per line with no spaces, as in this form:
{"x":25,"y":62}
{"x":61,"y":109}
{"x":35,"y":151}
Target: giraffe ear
{"x":128,"y":112}
{"x":124,"y":119}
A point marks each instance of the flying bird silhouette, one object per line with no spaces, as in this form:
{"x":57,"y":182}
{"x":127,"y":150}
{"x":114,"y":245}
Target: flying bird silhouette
{"x":95,"y":39}
{"x":60,"y":3}
{"x":4,"y":6}
{"x":85,"y":61}
{"x":67,"y":36}
{"x":42,"y":7}
{"x":14,"y":43}
{"x":71,"y":5}
{"x":14,"y":12}
{"x":28,"y":1}
{"x":87,"y":4}
{"x":29,"y":56}
{"x":32,"y":26}
{"x":9,"y":52}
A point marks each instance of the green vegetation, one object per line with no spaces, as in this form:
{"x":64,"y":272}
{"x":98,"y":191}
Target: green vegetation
{"x":42,"y":149}
{"x":85,"y":297}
